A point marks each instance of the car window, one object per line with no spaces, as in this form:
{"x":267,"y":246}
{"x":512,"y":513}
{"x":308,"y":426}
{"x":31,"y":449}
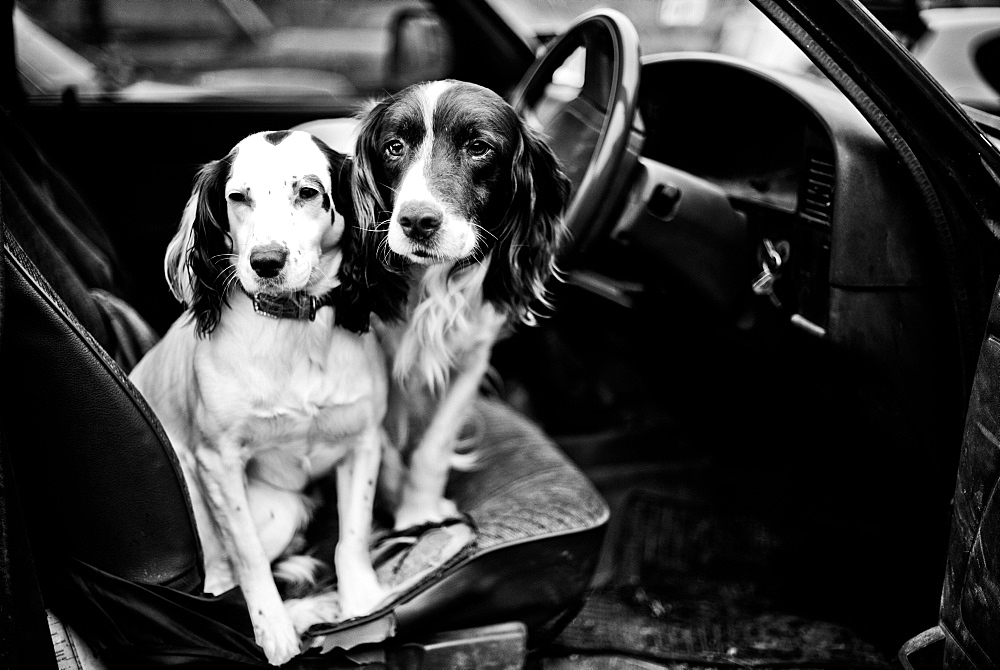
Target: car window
{"x":172,"y":50}
{"x":730,"y":27}
{"x":960,"y":46}
{"x":957,"y":41}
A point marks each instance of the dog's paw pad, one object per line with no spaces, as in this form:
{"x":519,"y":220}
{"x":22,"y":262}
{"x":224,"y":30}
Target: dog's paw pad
{"x":280,"y":646}
{"x":311,"y":610}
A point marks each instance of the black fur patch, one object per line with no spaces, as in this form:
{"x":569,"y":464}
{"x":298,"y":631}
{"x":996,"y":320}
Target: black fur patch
{"x":277,"y":137}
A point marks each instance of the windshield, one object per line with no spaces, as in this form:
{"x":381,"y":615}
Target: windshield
{"x":348,"y":50}
{"x":730,"y":27}
{"x":957,"y":41}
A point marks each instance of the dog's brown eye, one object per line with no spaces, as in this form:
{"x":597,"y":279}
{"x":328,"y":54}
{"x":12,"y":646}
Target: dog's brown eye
{"x":237,"y":197}
{"x":394,"y":148}
{"x":478,"y":148}
{"x":308,"y":193}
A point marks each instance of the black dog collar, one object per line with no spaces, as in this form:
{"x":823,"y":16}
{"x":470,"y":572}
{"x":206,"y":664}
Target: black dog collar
{"x":298,"y":305}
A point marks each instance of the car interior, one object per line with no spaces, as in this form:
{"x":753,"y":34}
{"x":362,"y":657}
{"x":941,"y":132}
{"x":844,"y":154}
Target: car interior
{"x":758,"y":427}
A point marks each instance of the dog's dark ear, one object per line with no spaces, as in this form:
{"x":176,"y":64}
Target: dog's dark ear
{"x":340,"y":183}
{"x":204,"y":242}
{"x":374,"y":280}
{"x":362,"y":289}
{"x":354,"y":306}
{"x":524,"y":259}
{"x":370,"y":203}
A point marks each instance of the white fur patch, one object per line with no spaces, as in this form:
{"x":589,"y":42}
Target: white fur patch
{"x":447,"y":318}
{"x":299,"y":569}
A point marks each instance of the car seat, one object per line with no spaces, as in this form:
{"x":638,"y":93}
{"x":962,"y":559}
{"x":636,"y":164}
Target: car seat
{"x":95,"y":524}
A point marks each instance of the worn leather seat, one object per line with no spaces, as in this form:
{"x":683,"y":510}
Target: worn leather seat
{"x":95,"y":524}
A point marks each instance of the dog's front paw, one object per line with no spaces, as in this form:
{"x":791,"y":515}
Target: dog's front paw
{"x":277,"y":637}
{"x":311,"y":610}
{"x":408,"y":516}
{"x":360,"y":594}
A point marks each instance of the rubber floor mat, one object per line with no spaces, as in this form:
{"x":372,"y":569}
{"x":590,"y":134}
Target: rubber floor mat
{"x":693,"y":585}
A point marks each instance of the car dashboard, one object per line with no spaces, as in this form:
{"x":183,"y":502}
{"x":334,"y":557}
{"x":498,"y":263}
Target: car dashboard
{"x":745,"y":171}
{"x":823,"y":393}
{"x":825,"y":205}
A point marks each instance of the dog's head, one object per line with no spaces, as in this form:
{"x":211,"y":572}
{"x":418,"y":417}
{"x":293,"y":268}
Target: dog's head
{"x":270,"y":218}
{"x":446,"y":172}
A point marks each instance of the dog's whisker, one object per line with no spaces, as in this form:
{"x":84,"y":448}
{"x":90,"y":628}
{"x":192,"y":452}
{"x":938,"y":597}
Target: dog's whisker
{"x":231,"y":280}
{"x":479,"y":227}
{"x":322,"y":274}
{"x":382,"y":253}
{"x":378,"y":227}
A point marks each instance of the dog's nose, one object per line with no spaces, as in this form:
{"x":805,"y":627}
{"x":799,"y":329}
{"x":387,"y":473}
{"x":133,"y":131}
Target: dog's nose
{"x":268,"y":259}
{"x":420,"y":219}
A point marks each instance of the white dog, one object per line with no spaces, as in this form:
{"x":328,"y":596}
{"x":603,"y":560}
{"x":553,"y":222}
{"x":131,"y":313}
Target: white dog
{"x":265,"y":385}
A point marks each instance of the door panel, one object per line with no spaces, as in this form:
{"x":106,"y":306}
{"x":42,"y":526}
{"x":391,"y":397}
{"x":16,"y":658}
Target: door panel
{"x":970,"y":606}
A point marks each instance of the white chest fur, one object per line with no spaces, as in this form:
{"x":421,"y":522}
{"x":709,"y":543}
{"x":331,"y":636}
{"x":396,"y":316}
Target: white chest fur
{"x":447,"y":319}
{"x":296,"y":395}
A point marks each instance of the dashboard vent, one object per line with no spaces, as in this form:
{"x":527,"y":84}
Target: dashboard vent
{"x":817,"y":198}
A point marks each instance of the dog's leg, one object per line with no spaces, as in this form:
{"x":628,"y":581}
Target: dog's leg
{"x":278,"y":515}
{"x":359,"y":589}
{"x":422,"y":499}
{"x":220,"y":470}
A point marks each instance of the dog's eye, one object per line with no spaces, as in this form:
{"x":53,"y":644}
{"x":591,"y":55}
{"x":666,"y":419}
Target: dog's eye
{"x":395,"y":148}
{"x":478,"y":148}
{"x":237,"y":196}
{"x":308,"y":193}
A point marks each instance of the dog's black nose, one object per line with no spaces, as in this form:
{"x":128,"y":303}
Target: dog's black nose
{"x":268,"y":259}
{"x":420,"y":219}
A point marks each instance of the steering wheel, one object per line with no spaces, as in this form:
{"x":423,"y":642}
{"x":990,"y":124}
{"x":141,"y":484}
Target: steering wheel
{"x":592,"y":132}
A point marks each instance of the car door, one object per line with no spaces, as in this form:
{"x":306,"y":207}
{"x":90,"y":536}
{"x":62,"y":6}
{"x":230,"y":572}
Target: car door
{"x":957,"y":164}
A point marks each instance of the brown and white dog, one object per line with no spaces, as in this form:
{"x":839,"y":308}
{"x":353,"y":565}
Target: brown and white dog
{"x":272,"y":380}
{"x":466,"y":200}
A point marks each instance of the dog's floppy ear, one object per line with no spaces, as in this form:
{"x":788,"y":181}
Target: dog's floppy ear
{"x":353,"y":308}
{"x":362,"y":291}
{"x":198,"y":255}
{"x":340,"y":185}
{"x":175,"y":262}
{"x":370,"y":202}
{"x":525,"y":257}
{"x":377,"y":283}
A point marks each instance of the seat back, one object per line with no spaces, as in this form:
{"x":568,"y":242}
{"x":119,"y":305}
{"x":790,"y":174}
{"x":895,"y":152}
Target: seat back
{"x":97,"y":478}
